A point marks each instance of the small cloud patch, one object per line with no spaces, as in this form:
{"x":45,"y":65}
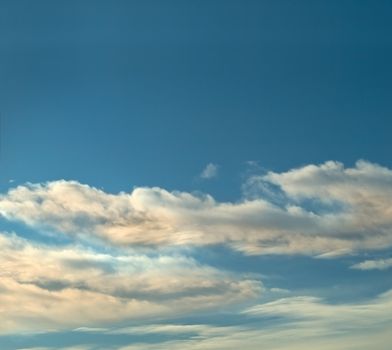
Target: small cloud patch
{"x":210,"y":171}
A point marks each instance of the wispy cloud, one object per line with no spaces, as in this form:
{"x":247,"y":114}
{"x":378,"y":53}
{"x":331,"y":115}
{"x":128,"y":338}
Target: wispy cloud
{"x":380,"y":264}
{"x":291,"y":323}
{"x":210,"y":171}
{"x":294,"y":323}
{"x":306,"y":323}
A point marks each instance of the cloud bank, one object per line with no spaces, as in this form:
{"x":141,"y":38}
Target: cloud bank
{"x":44,"y":287}
{"x":322,"y":210}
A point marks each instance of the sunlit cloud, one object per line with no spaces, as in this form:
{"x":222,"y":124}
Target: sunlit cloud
{"x":292,"y":323}
{"x":44,"y":287}
{"x":326,"y":210}
{"x":379,"y":264}
{"x":306,"y":323}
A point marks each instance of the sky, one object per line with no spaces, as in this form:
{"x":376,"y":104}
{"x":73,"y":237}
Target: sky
{"x":195,"y":174}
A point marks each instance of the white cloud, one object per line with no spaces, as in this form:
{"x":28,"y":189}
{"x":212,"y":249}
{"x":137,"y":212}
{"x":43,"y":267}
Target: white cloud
{"x":324,"y":210}
{"x":306,"y":323}
{"x":300,"y":337}
{"x":43,"y":287}
{"x":210,"y":171}
{"x":380,"y":264}
{"x":176,"y":329}
{"x":293,"y":323}
{"x":343,"y":316}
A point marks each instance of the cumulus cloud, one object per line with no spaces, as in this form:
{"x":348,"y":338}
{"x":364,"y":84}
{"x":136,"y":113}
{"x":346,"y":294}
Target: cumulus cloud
{"x":380,"y":264}
{"x":44,"y":287}
{"x":210,"y":171}
{"x":323,"y":210}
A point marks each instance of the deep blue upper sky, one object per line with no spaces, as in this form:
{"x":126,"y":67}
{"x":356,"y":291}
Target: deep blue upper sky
{"x":125,"y":93}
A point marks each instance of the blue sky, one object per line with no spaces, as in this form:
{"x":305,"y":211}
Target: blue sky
{"x":195,"y":174}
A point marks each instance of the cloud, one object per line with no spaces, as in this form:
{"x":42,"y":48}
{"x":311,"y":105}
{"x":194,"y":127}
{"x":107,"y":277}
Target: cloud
{"x":210,"y":171}
{"x":293,"y":323}
{"x":350,"y":326}
{"x":321,"y":210}
{"x":381,"y":264}
{"x":304,"y":323}
{"x":44,"y":287}
{"x":176,"y":329}
{"x":342,"y":316}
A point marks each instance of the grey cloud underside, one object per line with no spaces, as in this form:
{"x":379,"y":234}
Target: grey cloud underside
{"x":129,"y":292}
{"x":326,"y":209}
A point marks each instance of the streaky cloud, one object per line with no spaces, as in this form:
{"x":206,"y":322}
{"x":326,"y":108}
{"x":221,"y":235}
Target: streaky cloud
{"x":42,"y":288}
